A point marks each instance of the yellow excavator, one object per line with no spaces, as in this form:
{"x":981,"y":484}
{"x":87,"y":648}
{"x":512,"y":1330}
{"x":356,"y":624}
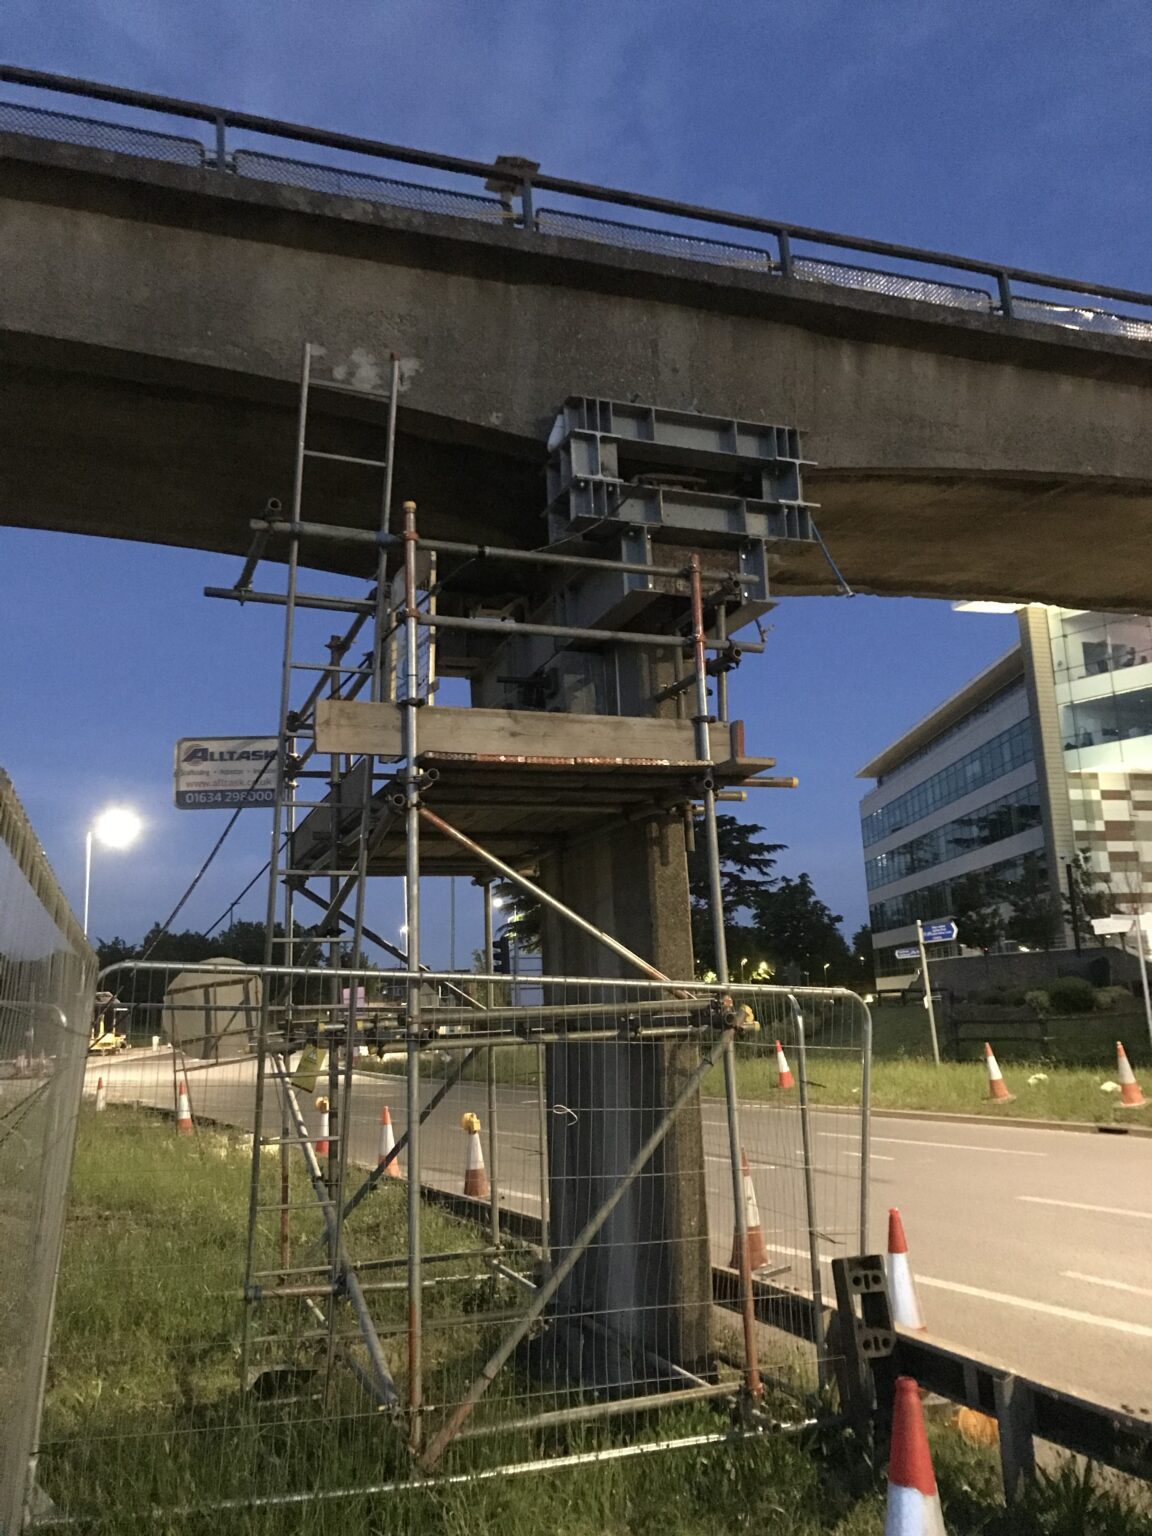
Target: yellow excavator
{"x":105,"y":1037}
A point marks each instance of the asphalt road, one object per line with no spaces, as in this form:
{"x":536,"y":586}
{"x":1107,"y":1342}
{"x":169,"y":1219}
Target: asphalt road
{"x":1030,"y":1247}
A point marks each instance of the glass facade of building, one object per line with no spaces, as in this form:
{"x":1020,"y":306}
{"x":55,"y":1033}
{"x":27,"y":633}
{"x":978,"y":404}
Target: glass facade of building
{"x":1002,"y":754}
{"x":1004,"y":817}
{"x":1102,"y":664}
{"x":937,"y":899}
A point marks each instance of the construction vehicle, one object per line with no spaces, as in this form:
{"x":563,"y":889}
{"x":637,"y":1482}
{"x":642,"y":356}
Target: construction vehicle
{"x":105,"y":1037}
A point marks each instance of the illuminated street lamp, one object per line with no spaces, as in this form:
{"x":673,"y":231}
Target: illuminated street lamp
{"x":113,"y":828}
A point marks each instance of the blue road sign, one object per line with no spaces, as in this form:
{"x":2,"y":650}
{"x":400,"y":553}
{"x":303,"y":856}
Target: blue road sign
{"x":940,"y":933}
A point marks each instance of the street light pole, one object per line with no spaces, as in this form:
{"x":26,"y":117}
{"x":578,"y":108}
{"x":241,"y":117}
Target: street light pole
{"x":87,"y":876}
{"x":115,"y":828}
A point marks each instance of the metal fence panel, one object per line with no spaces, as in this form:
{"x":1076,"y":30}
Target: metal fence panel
{"x":375,"y":189}
{"x":95,"y":133}
{"x":658,"y":242}
{"x":47,"y":973}
{"x":572,"y":1177}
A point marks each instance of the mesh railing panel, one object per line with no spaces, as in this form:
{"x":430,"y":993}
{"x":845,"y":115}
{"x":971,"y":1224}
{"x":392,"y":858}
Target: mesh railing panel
{"x":47,"y":973}
{"x":658,"y":242}
{"x":894,"y":284}
{"x":376,"y":189}
{"x":93,"y":133}
{"x":566,"y":1079}
{"x":1081,"y":318}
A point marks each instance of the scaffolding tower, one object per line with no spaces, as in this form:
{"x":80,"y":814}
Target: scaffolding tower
{"x":592,"y":710}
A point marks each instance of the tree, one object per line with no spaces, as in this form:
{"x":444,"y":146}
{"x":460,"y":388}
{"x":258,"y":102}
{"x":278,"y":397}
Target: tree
{"x":1091,"y":894}
{"x":746,"y":865}
{"x":976,"y":910}
{"x":1033,"y":909}
{"x":864,"y":960}
{"x":800,"y":931}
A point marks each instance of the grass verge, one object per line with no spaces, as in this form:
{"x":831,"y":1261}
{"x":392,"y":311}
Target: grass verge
{"x":143,"y":1407}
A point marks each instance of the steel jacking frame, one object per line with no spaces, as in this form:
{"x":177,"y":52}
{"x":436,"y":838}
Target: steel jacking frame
{"x":398,"y":620}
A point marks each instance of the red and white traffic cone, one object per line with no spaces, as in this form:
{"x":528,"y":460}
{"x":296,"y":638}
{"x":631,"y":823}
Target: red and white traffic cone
{"x":913,"y":1500}
{"x":475,"y":1175}
{"x":1131,"y":1096}
{"x":102,"y":1094}
{"x":902,"y":1295}
{"x":322,"y":1147}
{"x":997,"y":1088}
{"x":387,"y":1146}
{"x":757,"y":1251}
{"x":183,"y":1111}
{"x":784,"y":1078}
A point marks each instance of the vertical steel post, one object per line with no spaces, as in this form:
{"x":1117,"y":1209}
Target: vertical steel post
{"x":382,"y":605}
{"x":332,"y":1170}
{"x":927,"y":990}
{"x":410,"y":703}
{"x":721,"y":673}
{"x":542,"y":1141}
{"x":490,"y":1063}
{"x":865,"y":1126}
{"x":274,"y":858}
{"x":1142,"y":951}
{"x":810,"y":1193}
{"x":701,"y":721}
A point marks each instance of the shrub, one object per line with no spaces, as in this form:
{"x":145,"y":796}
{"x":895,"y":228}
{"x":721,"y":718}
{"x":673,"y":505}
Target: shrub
{"x":1108,"y":999}
{"x":1039,"y":1002}
{"x":1072,"y":994}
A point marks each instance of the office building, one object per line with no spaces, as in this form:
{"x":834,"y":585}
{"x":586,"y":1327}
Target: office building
{"x":1044,"y":756}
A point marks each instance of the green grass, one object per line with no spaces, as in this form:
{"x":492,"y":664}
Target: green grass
{"x":143,"y":1407}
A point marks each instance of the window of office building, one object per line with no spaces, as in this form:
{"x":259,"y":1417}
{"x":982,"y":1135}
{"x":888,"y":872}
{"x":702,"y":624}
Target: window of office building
{"x":1111,"y":717}
{"x":1010,"y":814}
{"x":1092,"y":644}
{"x":937,"y":900}
{"x":1009,"y":750}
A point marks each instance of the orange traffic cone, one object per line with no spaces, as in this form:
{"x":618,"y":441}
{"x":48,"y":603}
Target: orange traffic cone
{"x":757,"y":1251}
{"x":913,"y":1502}
{"x":997,"y":1089}
{"x":102,"y":1094}
{"x":1131,"y":1096}
{"x":322,"y":1146}
{"x":387,"y":1146}
{"x":183,"y":1111}
{"x":902,"y":1295}
{"x":475,"y":1175}
{"x":784,"y":1078}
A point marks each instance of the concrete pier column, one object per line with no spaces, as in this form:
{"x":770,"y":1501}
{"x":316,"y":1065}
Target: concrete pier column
{"x":642,"y":1295}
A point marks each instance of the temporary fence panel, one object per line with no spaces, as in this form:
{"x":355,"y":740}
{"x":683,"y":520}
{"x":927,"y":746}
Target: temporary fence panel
{"x":577,"y":1277}
{"x":47,"y":976}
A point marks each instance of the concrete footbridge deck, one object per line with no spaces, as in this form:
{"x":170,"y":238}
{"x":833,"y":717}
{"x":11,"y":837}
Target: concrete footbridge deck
{"x":968,"y":423}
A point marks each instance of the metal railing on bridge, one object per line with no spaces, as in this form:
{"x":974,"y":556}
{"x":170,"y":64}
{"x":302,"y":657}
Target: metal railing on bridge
{"x":244,"y":144}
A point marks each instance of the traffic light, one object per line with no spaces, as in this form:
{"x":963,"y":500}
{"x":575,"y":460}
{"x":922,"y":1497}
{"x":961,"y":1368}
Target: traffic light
{"x":502,"y":956}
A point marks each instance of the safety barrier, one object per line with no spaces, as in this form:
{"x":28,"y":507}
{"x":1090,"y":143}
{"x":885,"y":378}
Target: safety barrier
{"x":545,"y":1265}
{"x":798,"y":252}
{"x":47,"y":975}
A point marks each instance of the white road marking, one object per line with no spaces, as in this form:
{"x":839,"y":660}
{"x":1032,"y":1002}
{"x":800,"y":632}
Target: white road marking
{"x":710,"y":1157}
{"x":1070,"y":1314}
{"x":1115,"y":1285}
{"x":1075,"y":1205}
{"x":874,"y":1157}
{"x":955,"y":1146}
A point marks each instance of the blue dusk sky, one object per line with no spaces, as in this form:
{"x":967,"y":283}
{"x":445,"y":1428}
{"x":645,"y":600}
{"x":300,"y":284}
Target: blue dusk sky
{"x":1018,"y":133}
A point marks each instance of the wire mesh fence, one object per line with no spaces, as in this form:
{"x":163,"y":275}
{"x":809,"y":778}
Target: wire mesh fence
{"x":47,"y":972}
{"x":509,"y":1236}
{"x":95,"y":133}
